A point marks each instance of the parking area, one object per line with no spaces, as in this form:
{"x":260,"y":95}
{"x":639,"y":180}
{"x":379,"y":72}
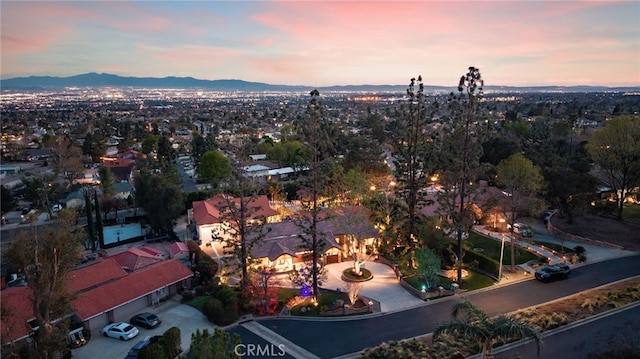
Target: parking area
{"x":172,"y":314}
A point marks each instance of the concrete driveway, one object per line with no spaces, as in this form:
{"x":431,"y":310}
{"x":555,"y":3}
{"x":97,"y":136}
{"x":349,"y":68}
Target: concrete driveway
{"x":383,"y":288}
{"x":172,"y":314}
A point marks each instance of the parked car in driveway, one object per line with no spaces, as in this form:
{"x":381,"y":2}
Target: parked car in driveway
{"x":121,"y":330}
{"x":146,"y":320}
{"x":553,"y":272}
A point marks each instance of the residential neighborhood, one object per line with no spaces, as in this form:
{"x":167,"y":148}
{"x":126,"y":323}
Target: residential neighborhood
{"x":312,"y":205}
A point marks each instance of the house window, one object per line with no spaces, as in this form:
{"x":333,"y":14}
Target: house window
{"x":282,"y":261}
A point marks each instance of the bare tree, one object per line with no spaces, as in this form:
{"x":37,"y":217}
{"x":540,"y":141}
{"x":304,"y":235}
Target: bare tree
{"x":45,"y":256}
{"x":66,"y":157}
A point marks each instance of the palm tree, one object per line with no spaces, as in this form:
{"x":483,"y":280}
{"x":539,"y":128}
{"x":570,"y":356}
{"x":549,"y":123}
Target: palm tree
{"x":475,"y":325}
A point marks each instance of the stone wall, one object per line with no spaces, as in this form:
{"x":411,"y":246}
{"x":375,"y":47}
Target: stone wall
{"x":572,"y":237}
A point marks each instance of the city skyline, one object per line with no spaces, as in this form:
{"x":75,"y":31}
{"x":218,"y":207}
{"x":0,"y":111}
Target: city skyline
{"x":521,"y":43}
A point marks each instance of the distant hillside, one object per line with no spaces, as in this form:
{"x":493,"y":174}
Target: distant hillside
{"x":98,"y":80}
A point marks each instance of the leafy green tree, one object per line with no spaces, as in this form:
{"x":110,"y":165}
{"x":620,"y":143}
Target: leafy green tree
{"x":106,"y":180}
{"x":497,"y":149}
{"x":428,"y":267}
{"x":165,"y":150}
{"x":460,"y":154}
{"x":214,"y":168}
{"x":8,"y":201}
{"x":149,"y":144}
{"x":366,"y":154}
{"x":200,"y":145}
{"x":521,"y":179}
{"x":616,"y":150}
{"x":88,"y":208}
{"x":45,"y":255}
{"x":162,"y":199}
{"x":472,"y":323}
{"x":220,"y":345}
{"x":40,"y":189}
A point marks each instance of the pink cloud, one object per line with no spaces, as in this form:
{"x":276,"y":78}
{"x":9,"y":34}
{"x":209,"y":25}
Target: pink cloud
{"x":30,"y":27}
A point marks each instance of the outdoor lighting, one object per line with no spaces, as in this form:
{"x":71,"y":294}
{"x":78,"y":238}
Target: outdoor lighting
{"x":372,"y":188}
{"x":501,"y":257}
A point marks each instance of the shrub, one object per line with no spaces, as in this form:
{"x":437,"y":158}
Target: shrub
{"x":171,"y":342}
{"x":217,"y":313}
{"x":582,"y":258}
{"x":543,"y":259}
{"x":579,"y":250}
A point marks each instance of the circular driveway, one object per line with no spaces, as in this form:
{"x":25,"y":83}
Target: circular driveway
{"x":383,"y":287}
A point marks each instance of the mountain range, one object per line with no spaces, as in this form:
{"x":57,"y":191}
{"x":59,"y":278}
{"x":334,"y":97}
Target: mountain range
{"x":109,"y":80}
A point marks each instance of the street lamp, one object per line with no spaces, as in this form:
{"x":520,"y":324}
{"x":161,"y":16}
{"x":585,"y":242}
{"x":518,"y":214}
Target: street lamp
{"x":501,"y":257}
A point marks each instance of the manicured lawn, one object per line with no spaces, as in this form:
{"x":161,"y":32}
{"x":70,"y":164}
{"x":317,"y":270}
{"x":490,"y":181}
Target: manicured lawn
{"x":285,"y":293}
{"x":631,"y":211}
{"x":327,"y":298}
{"x":476,"y":280}
{"x":199,"y":302}
{"x":491,"y":247}
{"x":349,"y":274}
{"x":554,"y":246}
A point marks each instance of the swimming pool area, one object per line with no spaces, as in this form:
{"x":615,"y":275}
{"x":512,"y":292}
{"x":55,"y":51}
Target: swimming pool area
{"x":121,"y":232}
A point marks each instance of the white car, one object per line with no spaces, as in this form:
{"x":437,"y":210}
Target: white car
{"x":122,"y":331}
{"x":522,"y":229}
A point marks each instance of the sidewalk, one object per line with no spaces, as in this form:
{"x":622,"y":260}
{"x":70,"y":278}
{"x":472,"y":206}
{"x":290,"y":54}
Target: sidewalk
{"x":594,"y":253}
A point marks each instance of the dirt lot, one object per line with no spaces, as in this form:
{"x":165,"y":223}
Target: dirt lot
{"x":625,"y":233}
{"x":583,"y":305}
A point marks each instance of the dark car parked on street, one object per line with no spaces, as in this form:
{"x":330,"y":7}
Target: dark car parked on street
{"x":553,"y":272}
{"x":146,"y":320}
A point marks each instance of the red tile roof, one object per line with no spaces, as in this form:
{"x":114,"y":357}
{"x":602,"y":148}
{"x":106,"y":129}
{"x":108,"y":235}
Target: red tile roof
{"x":101,"y":287}
{"x":93,"y":275}
{"x":20,"y":311}
{"x":134,"y":259}
{"x":152,"y":251}
{"x":178,"y":247}
{"x":137,"y":284}
{"x":209,"y":211}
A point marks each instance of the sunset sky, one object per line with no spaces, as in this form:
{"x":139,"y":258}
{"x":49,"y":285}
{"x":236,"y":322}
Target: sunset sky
{"x":323,"y":43}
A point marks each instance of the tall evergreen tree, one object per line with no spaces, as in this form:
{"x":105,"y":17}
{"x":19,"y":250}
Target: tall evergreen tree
{"x":460,"y":154}
{"x":99,"y":228}
{"x":412,"y":154}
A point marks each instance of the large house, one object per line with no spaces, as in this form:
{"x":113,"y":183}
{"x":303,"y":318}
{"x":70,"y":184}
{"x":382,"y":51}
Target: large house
{"x":281,"y":244}
{"x":105,"y":293}
{"x":211,"y":216}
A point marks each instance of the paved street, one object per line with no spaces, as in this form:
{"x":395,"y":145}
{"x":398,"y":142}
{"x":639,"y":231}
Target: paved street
{"x":334,"y":338}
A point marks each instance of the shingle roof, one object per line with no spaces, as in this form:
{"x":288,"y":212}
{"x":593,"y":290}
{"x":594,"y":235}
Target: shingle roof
{"x":284,"y":238}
